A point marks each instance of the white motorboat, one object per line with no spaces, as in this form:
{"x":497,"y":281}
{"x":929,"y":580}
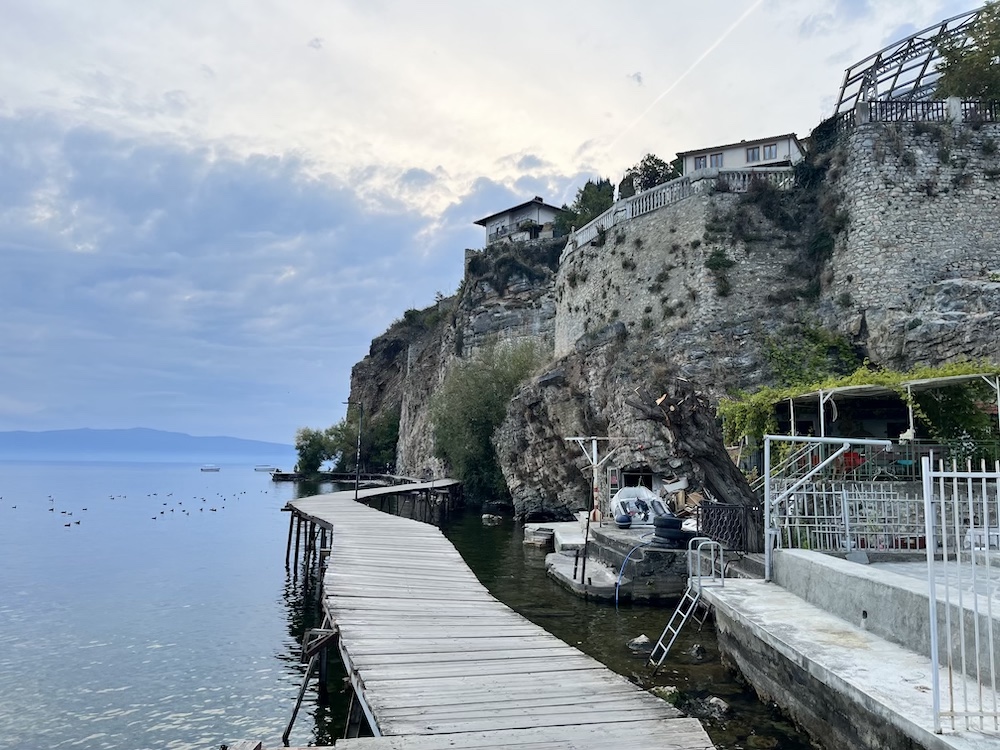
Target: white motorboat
{"x":639,"y":503}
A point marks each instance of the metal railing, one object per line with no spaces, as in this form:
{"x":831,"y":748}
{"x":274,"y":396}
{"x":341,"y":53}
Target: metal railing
{"x":908,"y":111}
{"x":731,"y":525}
{"x":846,"y":516}
{"x":980,"y":111}
{"x":959,"y":110}
{"x":962,"y":513}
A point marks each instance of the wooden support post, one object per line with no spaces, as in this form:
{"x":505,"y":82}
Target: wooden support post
{"x":322,"y":694}
{"x":288,"y":544}
{"x":355,"y":718}
{"x":298,"y":534}
{"x":298,"y":701}
{"x":310,"y":546}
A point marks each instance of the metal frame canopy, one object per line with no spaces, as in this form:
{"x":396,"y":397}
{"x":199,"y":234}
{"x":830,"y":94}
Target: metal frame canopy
{"x":823,"y":395}
{"x":905,"y":70}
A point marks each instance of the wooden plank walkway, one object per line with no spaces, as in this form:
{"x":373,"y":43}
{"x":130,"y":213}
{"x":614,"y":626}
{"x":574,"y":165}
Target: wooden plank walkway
{"x":438,"y":662}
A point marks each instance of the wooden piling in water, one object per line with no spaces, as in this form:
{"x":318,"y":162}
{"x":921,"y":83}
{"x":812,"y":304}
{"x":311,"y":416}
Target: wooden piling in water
{"x":288,"y":544}
{"x":298,"y":534}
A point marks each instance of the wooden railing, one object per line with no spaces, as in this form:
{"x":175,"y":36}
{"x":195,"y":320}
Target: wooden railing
{"x":669,"y":193}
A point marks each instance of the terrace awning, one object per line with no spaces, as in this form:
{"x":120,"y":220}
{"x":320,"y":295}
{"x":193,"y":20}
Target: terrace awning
{"x":824,"y":395}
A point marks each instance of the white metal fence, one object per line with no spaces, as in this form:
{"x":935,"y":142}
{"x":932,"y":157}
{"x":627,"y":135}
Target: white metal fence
{"x":962,"y":526}
{"x":846,"y":516}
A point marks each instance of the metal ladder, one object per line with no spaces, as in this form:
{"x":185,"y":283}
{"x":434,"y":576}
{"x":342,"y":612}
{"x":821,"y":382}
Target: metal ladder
{"x":691,"y":604}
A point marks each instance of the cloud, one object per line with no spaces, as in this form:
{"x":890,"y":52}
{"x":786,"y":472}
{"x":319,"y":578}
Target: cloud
{"x":218,"y":279}
{"x":836,"y":14}
{"x":204,"y":222}
{"x":531,"y":161}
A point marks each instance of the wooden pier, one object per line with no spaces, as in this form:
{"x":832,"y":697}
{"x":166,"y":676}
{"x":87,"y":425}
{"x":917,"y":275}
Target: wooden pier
{"x":437,"y":662}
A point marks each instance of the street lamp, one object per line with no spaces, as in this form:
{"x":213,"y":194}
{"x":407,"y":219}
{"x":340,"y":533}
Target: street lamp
{"x":357,"y":462}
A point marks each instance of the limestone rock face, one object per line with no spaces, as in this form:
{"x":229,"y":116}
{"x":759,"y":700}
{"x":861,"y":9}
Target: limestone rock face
{"x":585,"y":395}
{"x":407,"y":364}
{"x":699,"y":288}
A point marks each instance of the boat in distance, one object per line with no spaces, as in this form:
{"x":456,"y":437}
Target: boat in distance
{"x":210,"y":467}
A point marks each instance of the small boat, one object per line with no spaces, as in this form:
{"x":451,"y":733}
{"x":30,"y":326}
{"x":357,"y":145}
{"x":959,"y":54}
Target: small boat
{"x":209,"y":467}
{"x":266,"y":467}
{"x":640,"y":504}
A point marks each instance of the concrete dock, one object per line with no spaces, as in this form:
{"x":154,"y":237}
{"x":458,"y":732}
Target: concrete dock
{"x":838,"y":677}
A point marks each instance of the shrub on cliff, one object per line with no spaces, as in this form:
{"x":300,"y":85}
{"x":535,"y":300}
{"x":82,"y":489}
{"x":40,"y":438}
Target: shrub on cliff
{"x":468,"y":408}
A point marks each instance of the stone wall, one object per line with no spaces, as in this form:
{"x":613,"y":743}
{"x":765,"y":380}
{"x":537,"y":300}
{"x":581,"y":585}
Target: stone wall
{"x":915,"y":274}
{"x":651,"y":276}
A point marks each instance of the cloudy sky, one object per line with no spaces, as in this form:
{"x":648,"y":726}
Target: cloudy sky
{"x":208,"y":209}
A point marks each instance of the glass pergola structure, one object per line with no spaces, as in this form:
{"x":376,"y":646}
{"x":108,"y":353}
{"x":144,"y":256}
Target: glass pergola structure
{"x":905,"y":70}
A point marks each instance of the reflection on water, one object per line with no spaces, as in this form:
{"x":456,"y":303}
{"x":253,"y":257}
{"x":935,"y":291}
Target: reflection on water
{"x":515,"y":574}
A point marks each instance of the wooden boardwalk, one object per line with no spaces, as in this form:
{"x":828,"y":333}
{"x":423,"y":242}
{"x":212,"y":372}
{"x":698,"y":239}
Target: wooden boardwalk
{"x":437,"y":662}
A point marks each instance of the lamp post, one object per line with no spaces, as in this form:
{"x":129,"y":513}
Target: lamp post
{"x":357,"y":462}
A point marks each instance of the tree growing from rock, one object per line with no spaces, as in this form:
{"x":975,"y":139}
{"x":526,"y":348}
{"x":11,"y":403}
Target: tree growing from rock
{"x":692,"y":431}
{"x":592,"y":200}
{"x":468,"y":408}
{"x":648,"y":173}
{"x":970,"y":67}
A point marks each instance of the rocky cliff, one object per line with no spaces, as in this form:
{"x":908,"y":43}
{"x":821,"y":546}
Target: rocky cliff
{"x":888,"y":249}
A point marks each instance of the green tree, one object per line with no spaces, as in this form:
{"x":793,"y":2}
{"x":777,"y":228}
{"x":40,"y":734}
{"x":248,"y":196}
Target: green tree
{"x":970,"y":67}
{"x":379,"y":436}
{"x":592,"y":200}
{"x":468,"y":408}
{"x":378,"y":442}
{"x":648,"y":173}
{"x":313,"y":447}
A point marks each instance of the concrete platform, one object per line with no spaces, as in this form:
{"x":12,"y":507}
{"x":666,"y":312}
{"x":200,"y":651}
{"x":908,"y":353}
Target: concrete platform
{"x":601,"y":579}
{"x":566,"y":535}
{"x":838,"y":680}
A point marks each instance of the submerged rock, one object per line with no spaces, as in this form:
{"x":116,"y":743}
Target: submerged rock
{"x":641,"y":643}
{"x":489,"y":519}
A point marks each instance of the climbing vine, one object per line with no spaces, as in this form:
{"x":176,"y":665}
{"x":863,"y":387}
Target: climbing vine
{"x":950,"y":413}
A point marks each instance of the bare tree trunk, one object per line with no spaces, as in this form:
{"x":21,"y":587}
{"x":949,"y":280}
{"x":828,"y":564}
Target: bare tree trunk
{"x":693,"y":432}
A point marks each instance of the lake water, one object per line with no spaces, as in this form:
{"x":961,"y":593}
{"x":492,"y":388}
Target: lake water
{"x":147,"y":606}
{"x":144,"y":606}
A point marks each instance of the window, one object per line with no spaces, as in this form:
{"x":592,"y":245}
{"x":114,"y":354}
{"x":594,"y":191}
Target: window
{"x":715,"y":160}
{"x":700,"y":162}
{"x":753,"y":154}
{"x":771,"y":151}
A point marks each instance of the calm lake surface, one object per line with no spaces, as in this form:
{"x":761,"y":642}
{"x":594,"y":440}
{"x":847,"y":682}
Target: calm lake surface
{"x":162,"y":616}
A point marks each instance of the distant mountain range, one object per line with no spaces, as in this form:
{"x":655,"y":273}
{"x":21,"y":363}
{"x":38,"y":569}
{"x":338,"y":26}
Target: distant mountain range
{"x":88,"y":443}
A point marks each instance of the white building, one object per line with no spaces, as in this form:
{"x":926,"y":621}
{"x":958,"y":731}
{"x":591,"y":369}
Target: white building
{"x":776,"y":151}
{"x":526,"y":221}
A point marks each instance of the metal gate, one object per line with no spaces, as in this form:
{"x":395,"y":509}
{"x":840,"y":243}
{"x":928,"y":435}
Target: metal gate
{"x":962,"y":517}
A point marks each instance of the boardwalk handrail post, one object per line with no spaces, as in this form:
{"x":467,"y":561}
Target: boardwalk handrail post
{"x":357,"y":461}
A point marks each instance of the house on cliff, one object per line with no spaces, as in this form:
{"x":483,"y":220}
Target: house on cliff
{"x":774,"y":151}
{"x":533,"y":220}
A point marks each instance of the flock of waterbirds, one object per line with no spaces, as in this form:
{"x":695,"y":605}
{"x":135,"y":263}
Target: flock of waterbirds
{"x":195,"y":504}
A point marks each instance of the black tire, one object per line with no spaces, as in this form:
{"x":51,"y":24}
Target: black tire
{"x":677,"y":535}
{"x":667,"y":522}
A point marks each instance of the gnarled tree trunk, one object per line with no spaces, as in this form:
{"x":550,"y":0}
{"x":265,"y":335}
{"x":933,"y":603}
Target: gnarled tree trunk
{"x":691,"y":427}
